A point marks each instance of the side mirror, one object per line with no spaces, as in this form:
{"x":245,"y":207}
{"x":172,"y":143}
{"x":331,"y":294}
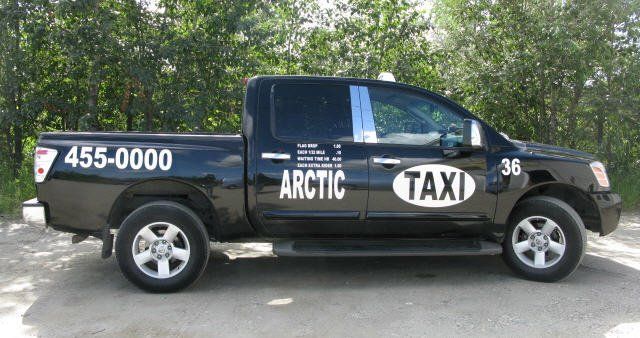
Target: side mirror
{"x":472,"y":134}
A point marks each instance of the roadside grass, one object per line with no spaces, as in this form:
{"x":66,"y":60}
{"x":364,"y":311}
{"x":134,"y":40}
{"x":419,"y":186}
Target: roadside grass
{"x":14,"y":191}
{"x":628,"y":186}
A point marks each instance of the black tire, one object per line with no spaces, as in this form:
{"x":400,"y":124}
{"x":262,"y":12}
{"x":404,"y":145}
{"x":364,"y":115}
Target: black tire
{"x":572,"y":228}
{"x":192,"y":228}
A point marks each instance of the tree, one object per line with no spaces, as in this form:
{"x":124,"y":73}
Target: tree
{"x":545,"y":70}
{"x":563,"y":72}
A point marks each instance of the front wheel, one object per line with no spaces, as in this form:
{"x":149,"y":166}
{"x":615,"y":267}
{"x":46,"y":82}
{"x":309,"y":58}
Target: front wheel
{"x":162,"y":247}
{"x":546,"y":239}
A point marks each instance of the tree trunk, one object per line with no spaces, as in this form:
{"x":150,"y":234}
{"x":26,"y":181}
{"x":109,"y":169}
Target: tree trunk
{"x":16,"y":98}
{"x":129,"y":121}
{"x":599,"y":130}
{"x":91,"y":118}
{"x":17,"y":149}
{"x":571,"y":112}
{"x":9,"y":141}
{"x":553,"y":127}
{"x":124,"y":105}
{"x":147,"y":97}
{"x":543,"y":110}
{"x":553,"y":121}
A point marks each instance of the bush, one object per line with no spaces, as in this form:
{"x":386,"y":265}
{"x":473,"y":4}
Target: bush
{"x":14,"y":191}
{"x":628,"y":186}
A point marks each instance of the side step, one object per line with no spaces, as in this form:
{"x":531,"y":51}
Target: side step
{"x":391,"y":247}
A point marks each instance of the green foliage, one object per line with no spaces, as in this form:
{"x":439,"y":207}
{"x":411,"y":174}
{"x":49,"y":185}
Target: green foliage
{"x":15,"y":190}
{"x":564,"y":73}
{"x":561,"y":72}
{"x":628,"y":185}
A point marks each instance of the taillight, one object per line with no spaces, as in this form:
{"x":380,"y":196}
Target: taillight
{"x":600,"y":173}
{"x":43,"y":160}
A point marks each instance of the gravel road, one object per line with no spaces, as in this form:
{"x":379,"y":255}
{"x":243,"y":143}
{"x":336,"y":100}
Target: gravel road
{"x":50,"y":287}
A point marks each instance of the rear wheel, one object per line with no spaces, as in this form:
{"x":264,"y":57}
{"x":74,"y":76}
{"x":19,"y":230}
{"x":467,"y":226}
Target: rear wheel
{"x":546,"y":239}
{"x":162,"y":247}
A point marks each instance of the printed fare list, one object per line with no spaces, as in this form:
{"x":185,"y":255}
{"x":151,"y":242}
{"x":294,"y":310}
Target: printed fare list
{"x":311,"y":155}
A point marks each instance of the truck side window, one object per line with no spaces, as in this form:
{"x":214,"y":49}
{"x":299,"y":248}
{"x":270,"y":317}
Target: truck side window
{"x":402,"y":117}
{"x":312,"y":112}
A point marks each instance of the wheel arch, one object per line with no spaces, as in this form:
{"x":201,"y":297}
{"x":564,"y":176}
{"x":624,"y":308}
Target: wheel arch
{"x":186,"y":194}
{"x":575,"y":197}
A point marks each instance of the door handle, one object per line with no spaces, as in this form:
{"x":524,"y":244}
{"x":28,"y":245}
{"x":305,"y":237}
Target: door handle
{"x":276,"y":156}
{"x":386,"y":161}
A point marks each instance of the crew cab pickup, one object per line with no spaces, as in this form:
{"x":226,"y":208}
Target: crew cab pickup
{"x":324,"y":167}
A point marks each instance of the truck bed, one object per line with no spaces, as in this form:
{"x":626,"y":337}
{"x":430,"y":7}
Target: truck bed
{"x":197,"y":166}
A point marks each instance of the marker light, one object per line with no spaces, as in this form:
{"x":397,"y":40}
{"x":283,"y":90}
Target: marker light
{"x":386,"y":76}
{"x":43,"y":160}
{"x":600,"y":173}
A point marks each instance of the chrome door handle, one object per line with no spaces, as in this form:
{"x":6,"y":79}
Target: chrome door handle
{"x":385,"y":160}
{"x":275,"y":156}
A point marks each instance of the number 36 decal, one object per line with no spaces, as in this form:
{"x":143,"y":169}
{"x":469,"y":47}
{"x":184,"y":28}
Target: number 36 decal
{"x":135,"y":158}
{"x":511,"y":167}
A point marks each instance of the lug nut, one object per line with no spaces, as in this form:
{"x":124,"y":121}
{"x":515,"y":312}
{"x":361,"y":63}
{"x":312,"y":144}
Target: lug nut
{"x":153,"y":250}
{"x":167,"y":255}
{"x":159,"y":256}
{"x":539,"y":248}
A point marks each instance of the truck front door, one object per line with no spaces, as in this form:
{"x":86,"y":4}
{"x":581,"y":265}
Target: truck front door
{"x":312,"y":175}
{"x":423,"y":181}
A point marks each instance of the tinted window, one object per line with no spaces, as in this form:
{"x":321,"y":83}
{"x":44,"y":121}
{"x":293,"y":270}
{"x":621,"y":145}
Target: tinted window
{"x":403,"y":117}
{"x":312,"y":112}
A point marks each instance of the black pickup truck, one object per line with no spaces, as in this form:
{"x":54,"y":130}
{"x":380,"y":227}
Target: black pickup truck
{"x":324,"y":167}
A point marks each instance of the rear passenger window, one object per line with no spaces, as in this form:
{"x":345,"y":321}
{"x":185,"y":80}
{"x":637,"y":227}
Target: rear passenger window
{"x":312,"y":112}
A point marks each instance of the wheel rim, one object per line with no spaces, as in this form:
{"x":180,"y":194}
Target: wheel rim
{"x":538,"y":242}
{"x":160,"y":250}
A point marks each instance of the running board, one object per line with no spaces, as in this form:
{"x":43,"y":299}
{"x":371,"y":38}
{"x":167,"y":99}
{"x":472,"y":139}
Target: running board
{"x":391,"y":247}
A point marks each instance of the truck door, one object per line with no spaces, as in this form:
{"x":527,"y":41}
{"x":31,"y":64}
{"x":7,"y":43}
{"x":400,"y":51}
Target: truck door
{"x":423,"y":182}
{"x":312,"y":175}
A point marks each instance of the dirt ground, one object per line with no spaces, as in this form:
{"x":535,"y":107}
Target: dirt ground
{"x":50,"y":287}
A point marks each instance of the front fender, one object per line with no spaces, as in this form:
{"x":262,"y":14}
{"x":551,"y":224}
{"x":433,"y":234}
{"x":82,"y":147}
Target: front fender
{"x":538,"y":171}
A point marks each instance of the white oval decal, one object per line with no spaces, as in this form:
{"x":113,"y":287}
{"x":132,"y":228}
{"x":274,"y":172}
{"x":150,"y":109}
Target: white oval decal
{"x":433,"y":185}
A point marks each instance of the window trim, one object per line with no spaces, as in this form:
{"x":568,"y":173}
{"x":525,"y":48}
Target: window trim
{"x":356,"y":114}
{"x":368,"y":122}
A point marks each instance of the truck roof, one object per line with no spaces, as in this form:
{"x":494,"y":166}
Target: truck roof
{"x":323,"y":77}
{"x":358,"y":80}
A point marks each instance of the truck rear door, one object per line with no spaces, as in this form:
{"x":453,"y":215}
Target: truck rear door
{"x":311,"y":165}
{"x":423,"y":182}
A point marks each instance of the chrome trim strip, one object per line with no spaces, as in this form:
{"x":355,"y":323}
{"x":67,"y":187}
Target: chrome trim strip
{"x":275,"y":156}
{"x":385,"y":160}
{"x":356,"y":114}
{"x":310,"y":214}
{"x":434,"y":216}
{"x":368,"y":124}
